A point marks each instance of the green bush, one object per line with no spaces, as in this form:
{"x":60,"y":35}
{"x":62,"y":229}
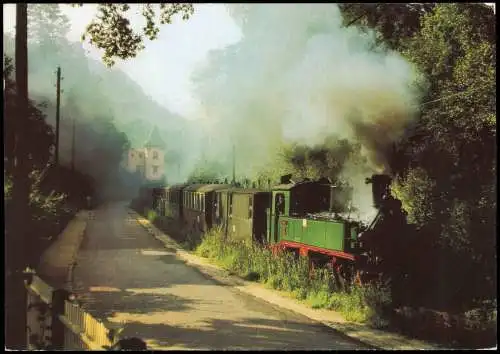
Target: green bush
{"x":48,"y":215}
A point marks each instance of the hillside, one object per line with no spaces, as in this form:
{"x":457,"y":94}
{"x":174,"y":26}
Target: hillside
{"x":96,"y":91}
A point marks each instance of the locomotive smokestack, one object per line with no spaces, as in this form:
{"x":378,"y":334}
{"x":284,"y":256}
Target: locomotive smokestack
{"x":380,"y":188}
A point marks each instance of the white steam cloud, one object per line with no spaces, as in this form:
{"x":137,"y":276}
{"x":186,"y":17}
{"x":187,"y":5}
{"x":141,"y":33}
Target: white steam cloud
{"x":297,"y":75}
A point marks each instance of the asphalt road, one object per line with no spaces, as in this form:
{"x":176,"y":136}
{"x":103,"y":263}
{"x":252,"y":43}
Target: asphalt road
{"x":125,"y":276}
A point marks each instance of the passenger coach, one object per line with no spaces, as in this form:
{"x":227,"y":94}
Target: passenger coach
{"x":197,"y":207}
{"x":241,"y":213}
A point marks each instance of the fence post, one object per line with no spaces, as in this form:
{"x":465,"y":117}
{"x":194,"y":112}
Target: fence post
{"x":59,"y":296}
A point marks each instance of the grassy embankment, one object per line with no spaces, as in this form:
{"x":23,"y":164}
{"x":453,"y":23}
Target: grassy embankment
{"x":291,"y":274}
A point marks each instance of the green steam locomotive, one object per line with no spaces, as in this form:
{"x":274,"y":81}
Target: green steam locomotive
{"x":296,"y":216}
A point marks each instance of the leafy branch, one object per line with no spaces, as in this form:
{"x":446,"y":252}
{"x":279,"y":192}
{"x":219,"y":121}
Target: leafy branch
{"x":111,"y":30}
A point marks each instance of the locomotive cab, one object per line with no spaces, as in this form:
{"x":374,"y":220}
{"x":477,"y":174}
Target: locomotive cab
{"x":300,"y":218}
{"x":295,"y":200}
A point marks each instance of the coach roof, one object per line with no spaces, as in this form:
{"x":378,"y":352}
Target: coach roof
{"x":243,"y":190}
{"x":205,"y":188}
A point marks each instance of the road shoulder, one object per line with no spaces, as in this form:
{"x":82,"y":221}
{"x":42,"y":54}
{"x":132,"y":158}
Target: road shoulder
{"x":376,"y":338}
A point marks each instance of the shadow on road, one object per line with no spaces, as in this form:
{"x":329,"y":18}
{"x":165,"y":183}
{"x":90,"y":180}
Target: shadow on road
{"x":247,"y":333}
{"x":106,"y":304}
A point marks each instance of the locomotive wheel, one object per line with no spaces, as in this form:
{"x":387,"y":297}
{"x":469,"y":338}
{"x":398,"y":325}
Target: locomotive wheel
{"x":336,"y":275}
{"x":339,"y":277}
{"x":345,"y":275}
{"x":312,"y":267}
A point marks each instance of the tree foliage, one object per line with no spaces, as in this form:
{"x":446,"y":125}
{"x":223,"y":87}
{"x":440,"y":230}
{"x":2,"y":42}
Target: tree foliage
{"x":112,"y":32}
{"x":394,"y":23}
{"x":448,"y":188}
{"x":37,"y":132}
{"x":47,"y":26}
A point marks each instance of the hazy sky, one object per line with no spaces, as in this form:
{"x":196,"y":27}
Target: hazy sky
{"x":164,"y":67}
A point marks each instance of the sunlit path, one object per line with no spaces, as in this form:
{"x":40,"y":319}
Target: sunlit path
{"x":125,"y":276}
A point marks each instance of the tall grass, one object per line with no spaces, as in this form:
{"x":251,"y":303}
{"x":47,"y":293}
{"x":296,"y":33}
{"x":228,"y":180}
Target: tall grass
{"x":286,"y":272}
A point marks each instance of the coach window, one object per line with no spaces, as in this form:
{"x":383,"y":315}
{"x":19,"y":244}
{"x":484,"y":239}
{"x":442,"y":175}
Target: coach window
{"x":250,"y":207}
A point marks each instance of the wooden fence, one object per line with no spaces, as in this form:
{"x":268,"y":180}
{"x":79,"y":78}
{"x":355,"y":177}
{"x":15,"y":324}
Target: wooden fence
{"x":55,"y":322}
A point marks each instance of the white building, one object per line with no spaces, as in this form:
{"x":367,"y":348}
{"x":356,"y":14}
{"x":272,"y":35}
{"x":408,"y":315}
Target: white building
{"x":149,"y":161}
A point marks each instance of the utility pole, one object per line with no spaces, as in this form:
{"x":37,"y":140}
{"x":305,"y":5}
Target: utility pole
{"x":234,"y":165}
{"x":17,"y":214}
{"x":73,"y":147}
{"x":58,"y":102}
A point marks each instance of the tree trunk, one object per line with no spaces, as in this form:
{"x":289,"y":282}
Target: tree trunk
{"x":17,"y":215}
